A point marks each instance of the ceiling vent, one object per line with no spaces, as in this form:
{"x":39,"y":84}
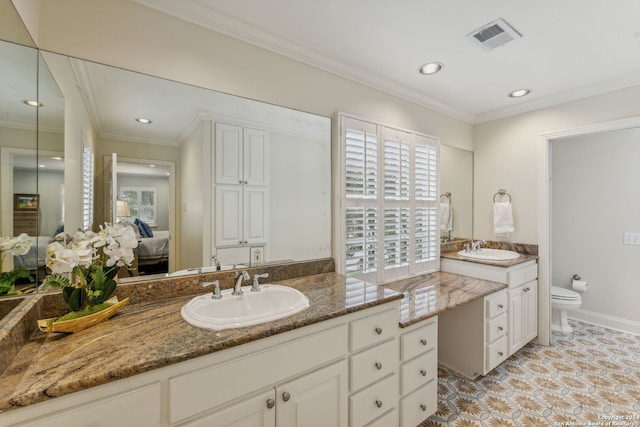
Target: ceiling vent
{"x":494,"y":34}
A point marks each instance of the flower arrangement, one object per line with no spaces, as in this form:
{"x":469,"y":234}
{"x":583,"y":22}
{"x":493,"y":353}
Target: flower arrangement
{"x":85,"y":265}
{"x":15,"y":246}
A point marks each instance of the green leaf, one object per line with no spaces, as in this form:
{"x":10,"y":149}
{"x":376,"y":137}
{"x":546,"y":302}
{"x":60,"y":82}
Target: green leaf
{"x":77,"y":299}
{"x":57,"y":281}
{"x":109,"y":289}
{"x":99,"y":278}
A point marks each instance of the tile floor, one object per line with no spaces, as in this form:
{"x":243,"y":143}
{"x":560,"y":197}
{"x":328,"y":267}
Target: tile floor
{"x":588,"y":377}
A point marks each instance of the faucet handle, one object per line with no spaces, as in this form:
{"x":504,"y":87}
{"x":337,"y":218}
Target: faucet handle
{"x":216,"y":288}
{"x":256,"y":285}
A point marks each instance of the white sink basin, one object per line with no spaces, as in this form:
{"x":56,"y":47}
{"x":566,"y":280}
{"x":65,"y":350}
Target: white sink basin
{"x":491,"y":254}
{"x":252,"y":308}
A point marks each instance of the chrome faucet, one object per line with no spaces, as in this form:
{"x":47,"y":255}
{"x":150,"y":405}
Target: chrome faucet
{"x":475,"y":246}
{"x":256,"y":284}
{"x":216,"y":262}
{"x":237,"y":289}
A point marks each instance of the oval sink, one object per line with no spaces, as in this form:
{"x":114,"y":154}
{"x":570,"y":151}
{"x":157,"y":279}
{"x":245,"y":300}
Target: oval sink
{"x":491,"y":254}
{"x":252,"y":308}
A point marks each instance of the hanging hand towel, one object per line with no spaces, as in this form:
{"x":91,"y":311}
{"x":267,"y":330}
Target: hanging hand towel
{"x":502,"y":219}
{"x":446,"y":217}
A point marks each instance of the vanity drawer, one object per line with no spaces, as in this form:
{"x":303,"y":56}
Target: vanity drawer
{"x":390,"y":419}
{"x":373,"y":329}
{"x":373,"y":401}
{"x":372,"y":364}
{"x":496,"y":327}
{"x":419,"y":341}
{"x":496,"y":353}
{"x":418,"y":371}
{"x":419,"y":405}
{"x":496,"y":304}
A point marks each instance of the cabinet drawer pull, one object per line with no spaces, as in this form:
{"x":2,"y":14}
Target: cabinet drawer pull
{"x":379,"y":403}
{"x":423,"y":407}
{"x":378,"y":365}
{"x":526,"y":289}
{"x":423,"y":372}
{"x":286,"y":396}
{"x":378,"y":331}
{"x":500,"y":328}
{"x":423,"y":341}
{"x":500,"y":306}
{"x":271,"y":403}
{"x":500,"y":353}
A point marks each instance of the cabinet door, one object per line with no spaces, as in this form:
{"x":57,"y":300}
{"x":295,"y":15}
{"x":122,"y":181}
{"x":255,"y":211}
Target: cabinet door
{"x":255,"y":214}
{"x":516,"y":319}
{"x":255,"y":157}
{"x":229,"y":215}
{"x":318,"y":399}
{"x":256,"y":411}
{"x":530,"y":304}
{"x":229,"y":154}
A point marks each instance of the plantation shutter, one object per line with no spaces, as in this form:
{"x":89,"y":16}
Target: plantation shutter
{"x":87,"y":187}
{"x":388,"y":185}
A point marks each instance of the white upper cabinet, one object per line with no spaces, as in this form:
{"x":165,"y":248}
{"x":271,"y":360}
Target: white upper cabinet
{"x":241,"y":190}
{"x":241,"y":155}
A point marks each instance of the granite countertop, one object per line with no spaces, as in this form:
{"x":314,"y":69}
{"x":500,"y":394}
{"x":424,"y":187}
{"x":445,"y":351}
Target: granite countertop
{"x":146,"y":336}
{"x":427,"y":295}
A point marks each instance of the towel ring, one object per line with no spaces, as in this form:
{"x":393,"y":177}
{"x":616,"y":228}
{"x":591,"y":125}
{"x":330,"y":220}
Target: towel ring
{"x":501,"y":192}
{"x":447,"y":195}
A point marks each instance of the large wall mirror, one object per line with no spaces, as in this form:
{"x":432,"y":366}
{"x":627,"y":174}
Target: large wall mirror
{"x":164,"y":173}
{"x":456,"y":188}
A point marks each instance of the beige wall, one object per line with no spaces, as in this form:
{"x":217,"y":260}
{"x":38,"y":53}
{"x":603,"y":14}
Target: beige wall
{"x":125,"y":34}
{"x":506,"y":156}
{"x":595,"y":200}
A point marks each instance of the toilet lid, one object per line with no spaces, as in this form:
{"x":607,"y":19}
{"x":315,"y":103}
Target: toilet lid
{"x":564,"y":294}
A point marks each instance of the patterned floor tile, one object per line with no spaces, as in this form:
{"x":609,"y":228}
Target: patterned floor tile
{"x":590,"y":376}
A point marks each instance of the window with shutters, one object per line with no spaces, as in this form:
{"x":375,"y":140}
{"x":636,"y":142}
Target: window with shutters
{"x":87,"y":187}
{"x":387,"y":220}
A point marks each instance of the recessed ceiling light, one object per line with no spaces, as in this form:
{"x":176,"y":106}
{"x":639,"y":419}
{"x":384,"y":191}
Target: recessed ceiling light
{"x":520,"y":93}
{"x":152,"y":166}
{"x":430,"y":68}
{"x":143,"y":121}
{"x":41,"y":166}
{"x":56,"y":158}
{"x":31,"y":103}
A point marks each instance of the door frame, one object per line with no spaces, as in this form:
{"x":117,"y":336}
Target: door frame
{"x":545,"y":209}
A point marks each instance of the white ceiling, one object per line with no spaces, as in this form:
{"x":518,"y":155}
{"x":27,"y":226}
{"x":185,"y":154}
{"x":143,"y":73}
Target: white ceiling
{"x":569,"y":49}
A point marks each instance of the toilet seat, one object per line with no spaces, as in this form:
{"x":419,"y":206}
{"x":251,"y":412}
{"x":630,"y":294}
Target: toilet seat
{"x":562,"y":294}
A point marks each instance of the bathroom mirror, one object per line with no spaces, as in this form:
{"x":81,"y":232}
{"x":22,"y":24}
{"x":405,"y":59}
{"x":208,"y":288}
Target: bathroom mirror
{"x":181,"y":136}
{"x":31,"y":156}
{"x":456,"y":178}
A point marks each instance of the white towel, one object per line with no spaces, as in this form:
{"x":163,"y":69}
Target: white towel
{"x":502,"y":219}
{"x":446,"y":218}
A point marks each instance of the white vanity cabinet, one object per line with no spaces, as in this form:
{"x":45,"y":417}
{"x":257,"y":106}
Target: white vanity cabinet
{"x":373,"y":367}
{"x":523,"y":315}
{"x":418,"y":372}
{"x":473,"y":337}
{"x":242,"y":183}
{"x":312,"y":400}
{"x":336,"y":373}
{"x":522,"y":295}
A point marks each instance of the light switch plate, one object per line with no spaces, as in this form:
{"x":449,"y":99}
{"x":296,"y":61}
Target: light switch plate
{"x":631,"y":238}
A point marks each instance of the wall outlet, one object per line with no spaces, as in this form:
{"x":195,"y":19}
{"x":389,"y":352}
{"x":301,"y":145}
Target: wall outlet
{"x":257,"y":254}
{"x":631,"y":238}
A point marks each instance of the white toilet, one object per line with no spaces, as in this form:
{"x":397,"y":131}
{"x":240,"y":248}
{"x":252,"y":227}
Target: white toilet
{"x":562,"y":300}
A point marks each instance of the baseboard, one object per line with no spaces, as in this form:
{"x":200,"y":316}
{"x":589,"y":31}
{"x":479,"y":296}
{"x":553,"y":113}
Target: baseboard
{"x":611,"y":322}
